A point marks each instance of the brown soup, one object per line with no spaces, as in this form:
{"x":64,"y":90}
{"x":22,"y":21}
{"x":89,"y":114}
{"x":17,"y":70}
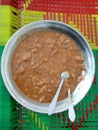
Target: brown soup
{"x":38,"y":62}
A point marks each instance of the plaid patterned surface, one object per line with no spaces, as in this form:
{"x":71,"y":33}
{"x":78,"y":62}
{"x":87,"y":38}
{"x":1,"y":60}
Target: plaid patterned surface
{"x":82,"y":15}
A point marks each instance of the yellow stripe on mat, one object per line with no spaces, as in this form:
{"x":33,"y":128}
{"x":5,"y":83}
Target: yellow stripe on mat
{"x":26,"y":4}
{"x":8,"y":23}
{"x":92,"y":44}
{"x":31,"y":16}
{"x":37,"y":120}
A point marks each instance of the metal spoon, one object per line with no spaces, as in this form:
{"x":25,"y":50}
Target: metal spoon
{"x":71,"y":111}
{"x":64,"y":75}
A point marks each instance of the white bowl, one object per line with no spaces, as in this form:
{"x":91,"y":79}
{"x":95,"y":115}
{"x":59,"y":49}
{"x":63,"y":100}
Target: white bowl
{"x":82,"y":88}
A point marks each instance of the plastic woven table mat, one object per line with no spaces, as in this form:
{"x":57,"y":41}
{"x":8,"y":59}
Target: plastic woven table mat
{"x":82,"y":15}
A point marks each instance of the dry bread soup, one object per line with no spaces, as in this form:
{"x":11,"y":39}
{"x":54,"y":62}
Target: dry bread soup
{"x":38,"y":61}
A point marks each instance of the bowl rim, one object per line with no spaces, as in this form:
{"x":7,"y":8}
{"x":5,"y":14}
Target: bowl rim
{"x":24,"y":101}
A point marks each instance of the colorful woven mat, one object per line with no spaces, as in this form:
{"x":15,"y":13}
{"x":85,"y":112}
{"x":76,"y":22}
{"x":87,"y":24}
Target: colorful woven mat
{"x":82,"y":15}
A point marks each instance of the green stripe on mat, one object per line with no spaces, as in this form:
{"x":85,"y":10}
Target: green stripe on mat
{"x":5,"y":104}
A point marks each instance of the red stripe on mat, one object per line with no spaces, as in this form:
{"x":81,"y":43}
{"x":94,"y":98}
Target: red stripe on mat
{"x":78,"y":6}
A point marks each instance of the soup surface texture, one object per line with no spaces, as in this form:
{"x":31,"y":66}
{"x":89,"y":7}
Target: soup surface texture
{"x":38,"y":61}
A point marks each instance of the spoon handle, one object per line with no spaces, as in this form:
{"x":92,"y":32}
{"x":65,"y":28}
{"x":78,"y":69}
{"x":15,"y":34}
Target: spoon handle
{"x":54,"y":101}
{"x":71,"y":111}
